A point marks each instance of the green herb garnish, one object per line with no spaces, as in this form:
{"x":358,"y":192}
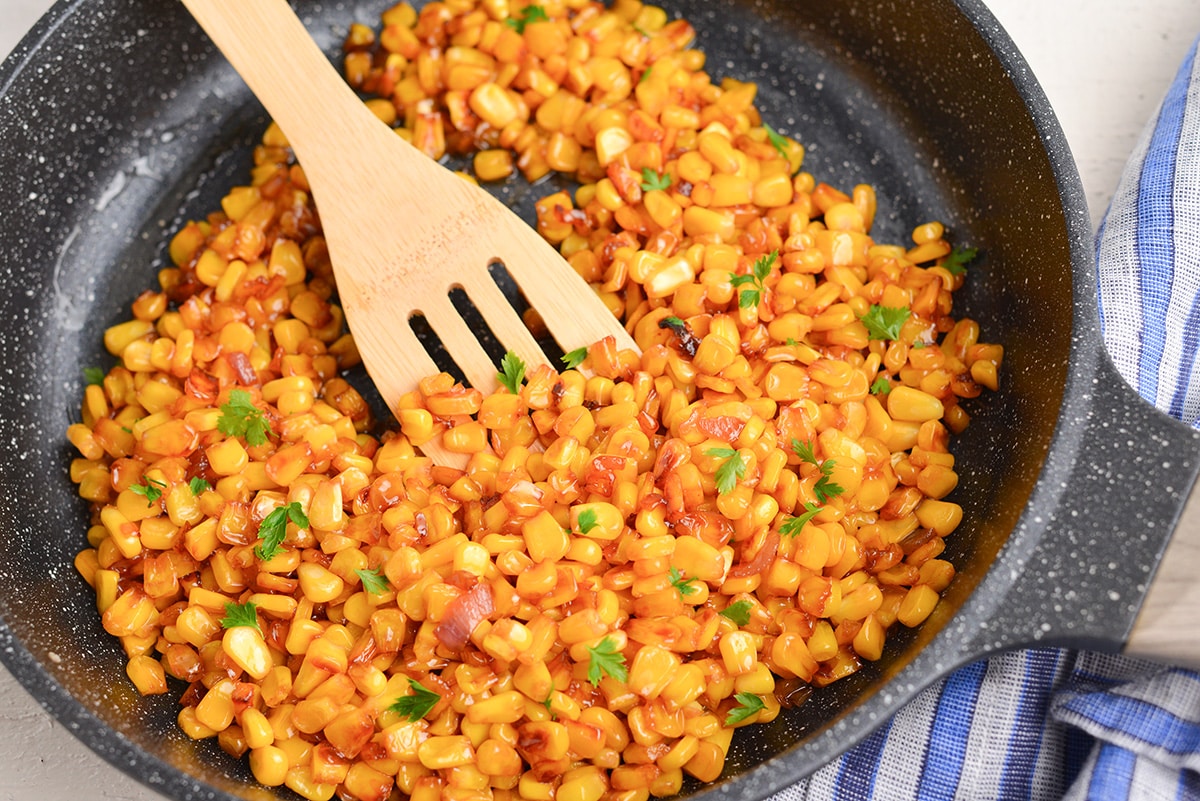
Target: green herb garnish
{"x":512,"y":372}
{"x":748,"y":704}
{"x":792,"y":526}
{"x":884,"y":322}
{"x":373,"y":581}
{"x":241,"y":615}
{"x":652,"y":180}
{"x":956,"y":263}
{"x":574,"y":358}
{"x":587,"y":521}
{"x":730,"y":470}
{"x":198,"y":485}
{"x":415,"y":706}
{"x":604,"y":658}
{"x":749,"y":298}
{"x":683,"y":585}
{"x":241,"y":418}
{"x":779,"y":143}
{"x":93,"y":376}
{"x":738,"y":612}
{"x":529,"y":14}
{"x":825,"y":488}
{"x":151,"y":489}
{"x":881,"y":386}
{"x":273,"y":529}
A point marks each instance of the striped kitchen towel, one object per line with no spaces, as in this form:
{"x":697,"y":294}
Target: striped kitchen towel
{"x":1052,"y":724}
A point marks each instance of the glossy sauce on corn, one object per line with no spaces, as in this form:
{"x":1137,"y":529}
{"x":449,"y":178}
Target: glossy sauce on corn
{"x":594,"y":515}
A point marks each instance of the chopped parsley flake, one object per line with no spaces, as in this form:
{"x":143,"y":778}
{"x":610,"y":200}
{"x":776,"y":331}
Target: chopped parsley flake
{"x":512,"y":372}
{"x":884,"y":322}
{"x":241,"y":615}
{"x":604,"y":658}
{"x":273,"y":529}
{"x":730,"y":470}
{"x":415,"y":706}
{"x":241,"y":418}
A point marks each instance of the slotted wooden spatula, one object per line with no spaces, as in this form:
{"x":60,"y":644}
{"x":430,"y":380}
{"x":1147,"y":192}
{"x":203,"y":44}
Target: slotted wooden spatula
{"x":402,"y":230}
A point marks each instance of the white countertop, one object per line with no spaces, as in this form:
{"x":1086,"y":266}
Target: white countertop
{"x":1104,"y":64}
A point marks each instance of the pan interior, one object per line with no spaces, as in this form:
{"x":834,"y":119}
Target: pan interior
{"x":121,"y":123}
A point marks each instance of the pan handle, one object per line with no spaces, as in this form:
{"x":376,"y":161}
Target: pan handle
{"x":1165,"y":628}
{"x":1104,"y":539}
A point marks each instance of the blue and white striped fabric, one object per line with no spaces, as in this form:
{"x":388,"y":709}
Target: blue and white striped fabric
{"x":1051,"y":724}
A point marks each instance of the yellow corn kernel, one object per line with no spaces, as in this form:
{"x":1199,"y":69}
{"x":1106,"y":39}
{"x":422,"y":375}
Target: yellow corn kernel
{"x":228,"y":457}
{"x":215,"y":709}
{"x":448,"y":751}
{"x":147,"y":675}
{"x":738,"y":652}
{"x":917,"y":605}
{"x":913,"y":405}
{"x":600,"y":520}
{"x":318,"y":584}
{"x":493,"y":104}
{"x":256,"y":728}
{"x":191,"y":726}
{"x":611,"y":143}
{"x":493,"y":165}
{"x":269,"y":765}
{"x":652,"y":670}
{"x":503,"y":707}
{"x":247,"y":649}
{"x":533,"y":679}
{"x":468,"y":437}
{"x":545,"y":538}
{"x":868,"y":642}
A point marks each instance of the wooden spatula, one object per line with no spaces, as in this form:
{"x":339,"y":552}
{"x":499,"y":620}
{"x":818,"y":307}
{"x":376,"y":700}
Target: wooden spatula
{"x":402,"y":230}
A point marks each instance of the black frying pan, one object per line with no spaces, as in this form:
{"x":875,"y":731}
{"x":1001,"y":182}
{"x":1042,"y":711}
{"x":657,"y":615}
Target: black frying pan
{"x":118,"y":122}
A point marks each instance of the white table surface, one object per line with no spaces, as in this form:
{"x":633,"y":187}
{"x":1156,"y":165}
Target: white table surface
{"x":1104,"y":64}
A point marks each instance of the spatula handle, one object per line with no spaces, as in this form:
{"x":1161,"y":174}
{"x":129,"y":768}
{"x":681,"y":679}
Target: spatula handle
{"x":1168,"y":625}
{"x":270,"y":48}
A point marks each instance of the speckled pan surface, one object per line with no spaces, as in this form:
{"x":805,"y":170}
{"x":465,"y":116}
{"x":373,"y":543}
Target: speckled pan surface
{"x":117,"y":121}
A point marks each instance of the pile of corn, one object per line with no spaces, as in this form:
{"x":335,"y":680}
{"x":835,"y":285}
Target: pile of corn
{"x":641,"y":555}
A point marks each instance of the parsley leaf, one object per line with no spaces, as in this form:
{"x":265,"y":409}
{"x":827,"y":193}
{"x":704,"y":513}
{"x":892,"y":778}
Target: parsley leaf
{"x":730,"y":470}
{"x":512,"y":372}
{"x":587,"y":521}
{"x":241,"y":418}
{"x":738,"y":612}
{"x":684,"y":585}
{"x":749,"y":298}
{"x":646,"y":72}
{"x":93,"y":375}
{"x":373,"y":581}
{"x":574,"y":358}
{"x":415,"y":706}
{"x":529,"y":14}
{"x":748,"y":704}
{"x":805,"y":451}
{"x":792,"y":526}
{"x":824,"y":488}
{"x":881,"y":386}
{"x":956,"y":263}
{"x":548,"y":705}
{"x":791,"y":342}
{"x":198,"y":485}
{"x":652,"y":180}
{"x":779,"y":143}
{"x":273,"y":529}
{"x":603,"y":657}
{"x":151,"y":489}
{"x":919,"y":345}
{"x":884,"y":322}
{"x":241,"y":615}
